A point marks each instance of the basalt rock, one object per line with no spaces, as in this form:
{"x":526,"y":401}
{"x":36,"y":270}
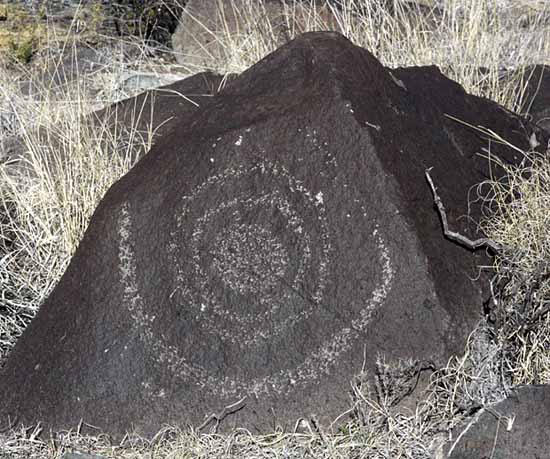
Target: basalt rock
{"x":158,"y":111}
{"x":267,"y":247}
{"x":517,"y":427}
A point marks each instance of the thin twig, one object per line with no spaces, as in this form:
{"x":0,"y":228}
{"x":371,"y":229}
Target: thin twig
{"x":317,"y":427}
{"x":454,"y":236}
{"x":230,"y":409}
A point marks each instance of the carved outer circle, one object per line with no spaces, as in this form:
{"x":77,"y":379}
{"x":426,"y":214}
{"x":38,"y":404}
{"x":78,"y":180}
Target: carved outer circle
{"x":289,"y":199}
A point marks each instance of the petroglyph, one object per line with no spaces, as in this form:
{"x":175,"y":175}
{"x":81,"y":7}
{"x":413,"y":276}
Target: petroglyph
{"x":216,"y":241}
{"x":141,"y":321}
{"x":274,"y":267}
{"x":269,"y":302}
{"x":249,"y":259}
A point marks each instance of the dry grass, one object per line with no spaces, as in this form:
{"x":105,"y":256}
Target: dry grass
{"x":518,"y":218}
{"x":70,"y":161}
{"x":49,"y":192}
{"x":461,"y":37}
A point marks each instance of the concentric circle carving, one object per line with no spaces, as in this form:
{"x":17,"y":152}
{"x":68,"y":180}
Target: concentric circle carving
{"x":248,"y":263}
{"x":256,"y":237}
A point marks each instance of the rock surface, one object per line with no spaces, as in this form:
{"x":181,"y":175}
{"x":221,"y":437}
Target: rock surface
{"x":515,"y":428}
{"x":270,"y":244}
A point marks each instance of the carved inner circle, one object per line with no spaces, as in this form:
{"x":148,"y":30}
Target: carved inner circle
{"x":249,"y":259}
{"x":255,"y":262}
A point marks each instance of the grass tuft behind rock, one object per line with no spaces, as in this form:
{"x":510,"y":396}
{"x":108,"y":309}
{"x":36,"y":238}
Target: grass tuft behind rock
{"x":518,"y":219}
{"x":67,"y":160}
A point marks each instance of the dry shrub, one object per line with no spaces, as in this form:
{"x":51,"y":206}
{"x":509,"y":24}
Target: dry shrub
{"x":518,"y":218}
{"x":48,"y":192}
{"x":470,"y":40}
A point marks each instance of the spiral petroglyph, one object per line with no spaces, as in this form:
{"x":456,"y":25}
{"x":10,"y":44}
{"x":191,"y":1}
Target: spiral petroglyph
{"x":232,"y":244}
{"x":257,"y":272}
{"x":268,"y":248}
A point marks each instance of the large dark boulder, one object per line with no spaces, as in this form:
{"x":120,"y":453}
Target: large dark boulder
{"x":515,"y":428}
{"x":266,"y":248}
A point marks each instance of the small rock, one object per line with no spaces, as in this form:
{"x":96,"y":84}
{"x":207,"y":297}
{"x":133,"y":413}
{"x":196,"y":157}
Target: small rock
{"x":515,"y":428}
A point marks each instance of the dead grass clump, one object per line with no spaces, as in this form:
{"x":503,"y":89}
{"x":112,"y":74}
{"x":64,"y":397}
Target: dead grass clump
{"x":49,"y":190}
{"x":472,"y":42}
{"x":518,"y":218}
